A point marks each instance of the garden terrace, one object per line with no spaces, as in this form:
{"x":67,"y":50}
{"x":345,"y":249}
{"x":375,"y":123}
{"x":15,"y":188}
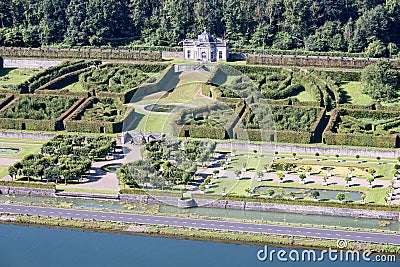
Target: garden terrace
{"x":289,"y":124}
{"x":98,"y":115}
{"x":167,"y":163}
{"x":80,"y":53}
{"x":5,"y":99}
{"x":112,"y":78}
{"x":38,"y":112}
{"x":363,"y":127}
{"x":52,"y":73}
{"x":312,"y":61}
{"x":11,"y":78}
{"x":212,"y":121}
{"x":63,"y":157}
{"x":278,"y":85}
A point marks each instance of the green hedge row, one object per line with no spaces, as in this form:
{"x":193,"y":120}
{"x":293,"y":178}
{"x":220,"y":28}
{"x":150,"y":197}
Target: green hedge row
{"x":312,"y":61}
{"x":51,"y":73}
{"x":194,"y":131}
{"x":28,"y":185}
{"x":342,"y":76}
{"x":80,"y":53}
{"x":166,"y":81}
{"x":64,"y":80}
{"x":332,"y":138}
{"x":6,"y":101}
{"x":37,"y":125}
{"x":273,"y":136}
{"x":74,"y":124}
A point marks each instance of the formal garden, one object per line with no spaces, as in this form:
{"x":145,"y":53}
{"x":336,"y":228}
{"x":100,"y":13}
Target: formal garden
{"x":64,"y":158}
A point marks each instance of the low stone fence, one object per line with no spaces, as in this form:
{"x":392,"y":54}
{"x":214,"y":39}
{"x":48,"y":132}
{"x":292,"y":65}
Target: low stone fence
{"x":166,"y":54}
{"x":26,"y":191}
{"x":239,"y":205}
{"x":311,"y":150}
{"x":22,"y":135}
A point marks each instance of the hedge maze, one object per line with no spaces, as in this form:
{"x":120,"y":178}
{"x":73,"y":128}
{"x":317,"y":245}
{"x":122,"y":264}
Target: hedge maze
{"x":98,"y":115}
{"x":268,"y":104}
{"x":363,"y":127}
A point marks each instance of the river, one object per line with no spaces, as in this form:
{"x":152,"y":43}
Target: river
{"x":41,"y":247}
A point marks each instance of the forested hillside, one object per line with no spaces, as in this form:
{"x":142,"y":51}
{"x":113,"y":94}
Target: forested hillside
{"x":316,"y":25}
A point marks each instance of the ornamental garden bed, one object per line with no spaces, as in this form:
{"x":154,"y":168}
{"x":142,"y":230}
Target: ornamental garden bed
{"x":363,"y":127}
{"x":287,"y":124}
{"x":37,"y":112}
{"x":107,"y":80}
{"x":98,"y":115}
{"x":214,"y":121}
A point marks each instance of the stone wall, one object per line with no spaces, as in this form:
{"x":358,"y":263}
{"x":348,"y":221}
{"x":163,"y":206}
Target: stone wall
{"x":172,"y":54}
{"x":239,"y":205}
{"x":25,"y":191}
{"x":29,"y":63}
{"x":364,"y":152}
{"x":37,"y":135}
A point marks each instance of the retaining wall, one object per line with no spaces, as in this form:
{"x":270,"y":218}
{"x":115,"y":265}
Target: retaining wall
{"x":25,"y":191}
{"x":364,"y":152}
{"x":239,"y":205}
{"x":38,"y":135}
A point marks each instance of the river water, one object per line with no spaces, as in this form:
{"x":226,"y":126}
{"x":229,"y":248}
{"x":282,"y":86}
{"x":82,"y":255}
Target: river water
{"x":32,"y":246}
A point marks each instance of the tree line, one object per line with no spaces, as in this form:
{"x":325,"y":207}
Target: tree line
{"x":317,"y":25}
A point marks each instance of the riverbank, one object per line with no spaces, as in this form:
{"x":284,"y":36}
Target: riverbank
{"x":196,"y":234}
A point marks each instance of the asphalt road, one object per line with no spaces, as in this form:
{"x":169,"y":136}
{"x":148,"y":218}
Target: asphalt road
{"x":201,"y":224}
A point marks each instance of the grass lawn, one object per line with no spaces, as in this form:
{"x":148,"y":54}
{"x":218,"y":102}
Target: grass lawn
{"x":83,"y":190}
{"x":16,"y":76}
{"x":151,"y":122}
{"x":355,"y":95}
{"x":27,"y":147}
{"x":3,"y":172}
{"x":306,"y":96}
{"x":75,"y":87}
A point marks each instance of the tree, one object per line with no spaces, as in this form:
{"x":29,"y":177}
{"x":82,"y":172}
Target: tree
{"x":270,"y":192}
{"x":76,"y":16}
{"x":358,"y":158}
{"x":107,"y":21}
{"x":315,"y":194}
{"x":340,"y":197}
{"x":292,"y":195}
{"x":376,"y":49}
{"x":13,"y":172}
{"x":348,"y":180}
{"x":281,"y":175}
{"x":372,"y":172}
{"x":370,"y":180}
{"x":380,"y":80}
{"x":238,"y":173}
{"x":302,"y":177}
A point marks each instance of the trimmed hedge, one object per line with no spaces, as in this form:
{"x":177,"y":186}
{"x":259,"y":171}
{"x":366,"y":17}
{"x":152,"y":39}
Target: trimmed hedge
{"x":311,"y":61}
{"x":56,"y":124}
{"x":166,"y":81}
{"x":6,"y":100}
{"x":368,"y":140}
{"x":64,"y":80}
{"x":27,"y":185}
{"x":51,"y":73}
{"x":74,"y":124}
{"x":92,"y":53}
